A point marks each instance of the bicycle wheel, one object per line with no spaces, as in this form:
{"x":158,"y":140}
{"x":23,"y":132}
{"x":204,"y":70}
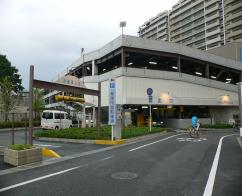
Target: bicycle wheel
{"x":191,"y":132}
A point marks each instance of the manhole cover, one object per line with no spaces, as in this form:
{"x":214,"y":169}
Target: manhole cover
{"x":124,"y":175}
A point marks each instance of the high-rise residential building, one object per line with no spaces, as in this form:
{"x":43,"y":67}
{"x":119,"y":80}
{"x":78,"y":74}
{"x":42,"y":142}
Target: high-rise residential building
{"x":233,"y":20}
{"x":156,"y":28}
{"x":197,"y":23}
{"x":202,"y":24}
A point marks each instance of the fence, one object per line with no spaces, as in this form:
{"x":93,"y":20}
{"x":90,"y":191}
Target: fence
{"x":13,"y":128}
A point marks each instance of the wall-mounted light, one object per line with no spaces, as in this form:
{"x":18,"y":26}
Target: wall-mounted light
{"x":155,"y":108}
{"x":104,"y":69}
{"x":225,"y":99}
{"x":131,"y":63}
{"x":88,"y":68}
{"x":213,"y":77}
{"x":144,"y":107}
{"x":165,"y":98}
{"x":174,"y":67}
{"x":153,"y":62}
{"x":228,"y":79}
{"x":198,"y":73}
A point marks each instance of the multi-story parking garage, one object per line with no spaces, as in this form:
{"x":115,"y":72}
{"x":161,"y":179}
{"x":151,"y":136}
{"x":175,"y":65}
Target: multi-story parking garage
{"x":185,"y":81}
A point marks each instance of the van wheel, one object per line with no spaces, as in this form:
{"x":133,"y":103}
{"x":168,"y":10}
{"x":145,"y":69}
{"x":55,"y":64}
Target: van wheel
{"x":56,"y":127}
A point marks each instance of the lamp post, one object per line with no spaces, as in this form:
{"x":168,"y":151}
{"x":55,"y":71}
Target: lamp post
{"x":122,"y":24}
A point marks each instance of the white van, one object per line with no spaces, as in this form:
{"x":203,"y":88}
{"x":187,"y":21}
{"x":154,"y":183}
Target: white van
{"x":55,"y":119}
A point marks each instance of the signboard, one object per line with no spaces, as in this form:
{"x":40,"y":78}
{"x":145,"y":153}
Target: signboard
{"x":149,"y":91}
{"x":240,"y":55}
{"x":112,"y":103}
{"x":150,"y":99}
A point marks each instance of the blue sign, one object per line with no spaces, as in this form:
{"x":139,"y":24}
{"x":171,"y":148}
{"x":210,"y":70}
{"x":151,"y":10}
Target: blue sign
{"x":149,"y":91}
{"x":112,"y":103}
{"x":240,"y":55}
{"x":150,"y":99}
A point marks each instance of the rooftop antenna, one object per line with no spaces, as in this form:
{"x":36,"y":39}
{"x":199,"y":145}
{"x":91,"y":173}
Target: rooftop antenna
{"x":122,"y":24}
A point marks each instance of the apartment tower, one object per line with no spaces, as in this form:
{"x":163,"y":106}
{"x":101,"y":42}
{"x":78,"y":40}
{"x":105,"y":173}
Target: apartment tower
{"x":202,"y":24}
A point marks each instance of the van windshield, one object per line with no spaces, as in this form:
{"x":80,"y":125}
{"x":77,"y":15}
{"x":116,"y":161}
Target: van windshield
{"x":47,"y":115}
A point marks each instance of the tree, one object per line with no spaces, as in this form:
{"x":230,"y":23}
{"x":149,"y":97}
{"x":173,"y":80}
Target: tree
{"x":11,"y":73}
{"x":38,"y":102}
{"x":7,"y":98}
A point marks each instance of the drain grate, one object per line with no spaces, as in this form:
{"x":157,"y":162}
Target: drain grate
{"x":124,"y":175}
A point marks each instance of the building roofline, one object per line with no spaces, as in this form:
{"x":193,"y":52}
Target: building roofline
{"x":160,"y":46}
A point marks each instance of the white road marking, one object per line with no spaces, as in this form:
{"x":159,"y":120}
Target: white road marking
{"x":155,"y":142}
{"x":191,"y":139}
{"x":211,"y":179}
{"x":106,"y":158}
{"x":36,"y":179}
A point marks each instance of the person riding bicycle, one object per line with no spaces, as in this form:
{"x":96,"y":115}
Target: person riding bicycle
{"x":195,"y":123}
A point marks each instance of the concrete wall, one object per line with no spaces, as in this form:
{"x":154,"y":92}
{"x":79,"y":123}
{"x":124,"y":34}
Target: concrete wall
{"x":230,"y":51}
{"x":223,"y":114}
{"x":183,"y":89}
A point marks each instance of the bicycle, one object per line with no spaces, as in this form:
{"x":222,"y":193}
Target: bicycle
{"x":194,"y":131}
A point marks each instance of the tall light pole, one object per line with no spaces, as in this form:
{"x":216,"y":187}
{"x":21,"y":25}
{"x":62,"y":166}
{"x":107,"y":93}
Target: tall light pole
{"x":122,"y":24}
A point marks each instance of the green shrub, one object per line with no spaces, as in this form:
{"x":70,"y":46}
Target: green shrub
{"x":17,"y":124}
{"x":91,"y":133}
{"x":19,"y":147}
{"x":217,"y":126}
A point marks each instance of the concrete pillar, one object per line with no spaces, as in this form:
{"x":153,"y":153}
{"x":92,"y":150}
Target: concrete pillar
{"x":207,"y":71}
{"x":240,"y":105}
{"x":94,"y":68}
{"x":84,"y":116}
{"x":84,"y":71}
{"x":123,"y":58}
{"x":179,"y":63}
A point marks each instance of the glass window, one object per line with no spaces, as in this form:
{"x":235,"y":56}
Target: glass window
{"x":59,"y":116}
{"x":47,"y":115}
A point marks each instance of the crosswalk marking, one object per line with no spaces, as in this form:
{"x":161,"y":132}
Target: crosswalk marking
{"x":191,"y":139}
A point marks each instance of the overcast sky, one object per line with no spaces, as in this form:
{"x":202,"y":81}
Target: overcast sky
{"x":50,"y":34}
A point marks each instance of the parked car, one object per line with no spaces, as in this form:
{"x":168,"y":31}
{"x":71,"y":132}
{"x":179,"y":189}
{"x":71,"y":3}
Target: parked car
{"x":55,"y":119}
{"x":158,"y":124}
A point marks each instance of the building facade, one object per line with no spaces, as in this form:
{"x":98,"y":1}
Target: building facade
{"x":185,"y":81}
{"x":156,"y":28}
{"x":203,"y":24}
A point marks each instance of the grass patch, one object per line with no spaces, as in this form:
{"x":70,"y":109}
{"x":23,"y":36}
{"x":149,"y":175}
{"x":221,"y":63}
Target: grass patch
{"x":19,"y":147}
{"x":217,"y":126}
{"x":91,"y":133}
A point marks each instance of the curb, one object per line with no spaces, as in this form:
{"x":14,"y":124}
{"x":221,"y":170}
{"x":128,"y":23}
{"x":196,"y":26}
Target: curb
{"x":104,"y":142}
{"x":18,"y":129}
{"x":109,"y":142}
{"x":49,"y":153}
{"x":50,"y":139}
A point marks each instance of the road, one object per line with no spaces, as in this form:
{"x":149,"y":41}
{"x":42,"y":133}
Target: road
{"x":168,"y":165}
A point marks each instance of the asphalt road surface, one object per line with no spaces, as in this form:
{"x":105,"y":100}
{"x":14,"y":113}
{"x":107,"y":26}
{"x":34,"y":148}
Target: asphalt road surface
{"x":169,"y":165}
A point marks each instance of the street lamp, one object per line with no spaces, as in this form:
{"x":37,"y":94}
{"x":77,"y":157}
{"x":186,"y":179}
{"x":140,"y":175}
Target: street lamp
{"x":122,"y":24}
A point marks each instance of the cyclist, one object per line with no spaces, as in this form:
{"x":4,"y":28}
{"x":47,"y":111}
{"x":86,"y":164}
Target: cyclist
{"x":195,"y":126}
{"x":195,"y":122}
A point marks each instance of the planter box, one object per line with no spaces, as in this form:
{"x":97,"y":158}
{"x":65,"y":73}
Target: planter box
{"x":22,"y":157}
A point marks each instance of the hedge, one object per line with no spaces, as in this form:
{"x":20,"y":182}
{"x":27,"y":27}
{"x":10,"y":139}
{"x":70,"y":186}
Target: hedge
{"x":17,"y":124}
{"x":91,"y":133}
{"x":19,"y":147}
{"x":217,"y":126}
